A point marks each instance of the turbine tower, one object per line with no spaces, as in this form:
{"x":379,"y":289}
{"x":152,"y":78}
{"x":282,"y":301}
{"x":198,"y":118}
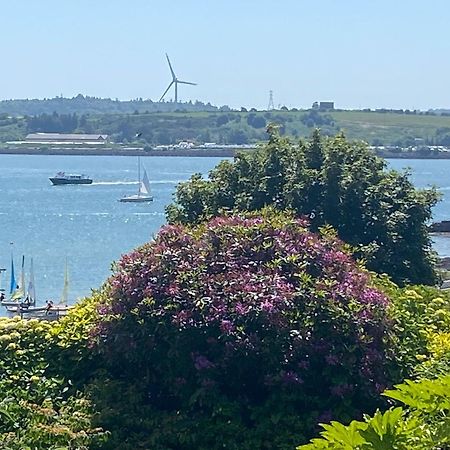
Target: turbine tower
{"x":271,"y":106}
{"x":174,"y":81}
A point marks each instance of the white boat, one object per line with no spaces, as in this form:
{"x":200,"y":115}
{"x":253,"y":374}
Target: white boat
{"x":143,"y":194}
{"x":38,"y":312}
{"x":70,"y":178}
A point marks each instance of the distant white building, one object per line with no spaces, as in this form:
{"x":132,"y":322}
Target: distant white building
{"x":59,"y":138}
{"x":184,"y":144}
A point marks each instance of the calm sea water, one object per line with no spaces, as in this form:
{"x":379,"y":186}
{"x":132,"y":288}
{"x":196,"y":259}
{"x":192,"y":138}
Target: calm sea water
{"x":88,"y":226}
{"x":426,"y":173}
{"x":85,"y":224}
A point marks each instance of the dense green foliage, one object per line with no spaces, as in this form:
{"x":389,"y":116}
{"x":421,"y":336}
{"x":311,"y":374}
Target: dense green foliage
{"x":38,"y":408}
{"x":423,"y":425}
{"x":331,"y":181}
{"x":55,"y":123}
{"x":208,"y":124}
{"x":236,"y":326}
{"x":421,"y":316}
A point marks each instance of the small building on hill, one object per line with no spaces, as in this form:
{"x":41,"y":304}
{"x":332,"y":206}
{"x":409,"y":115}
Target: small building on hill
{"x":59,"y":138}
{"x":326,"y":105}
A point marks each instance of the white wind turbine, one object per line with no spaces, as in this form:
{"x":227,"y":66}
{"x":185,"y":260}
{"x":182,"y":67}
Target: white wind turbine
{"x":175,"y":81}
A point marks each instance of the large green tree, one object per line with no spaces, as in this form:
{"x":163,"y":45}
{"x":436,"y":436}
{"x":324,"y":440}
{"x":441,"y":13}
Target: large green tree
{"x":331,"y":181}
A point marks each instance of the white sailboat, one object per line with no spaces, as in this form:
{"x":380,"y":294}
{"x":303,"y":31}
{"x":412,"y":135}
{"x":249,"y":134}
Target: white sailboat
{"x":26,"y":307}
{"x":144,"y":192}
{"x":31,"y":291}
{"x":51,"y":311}
{"x":19,"y":301}
{"x":65,"y":292}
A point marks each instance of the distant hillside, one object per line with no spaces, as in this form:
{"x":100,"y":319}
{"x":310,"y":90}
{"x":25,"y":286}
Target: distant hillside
{"x":388,"y":128}
{"x":233,"y":127}
{"x":93,"y":105}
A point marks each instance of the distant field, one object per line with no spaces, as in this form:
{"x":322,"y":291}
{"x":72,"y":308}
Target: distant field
{"x":389,"y":127}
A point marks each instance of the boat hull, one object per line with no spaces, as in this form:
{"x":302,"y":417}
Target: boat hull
{"x":61,"y":181}
{"x":39,"y":312}
{"x":136,"y":199}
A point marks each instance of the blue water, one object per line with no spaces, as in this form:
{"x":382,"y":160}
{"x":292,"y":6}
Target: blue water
{"x":88,"y":226}
{"x":426,"y":173}
{"x":85,"y":224}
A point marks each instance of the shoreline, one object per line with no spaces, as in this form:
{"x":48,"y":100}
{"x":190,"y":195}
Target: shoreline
{"x":411,"y":155}
{"x":125,"y":151}
{"x":191,"y":152}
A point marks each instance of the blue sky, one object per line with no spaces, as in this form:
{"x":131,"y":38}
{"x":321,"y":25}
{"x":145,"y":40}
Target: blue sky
{"x":358,"y":53}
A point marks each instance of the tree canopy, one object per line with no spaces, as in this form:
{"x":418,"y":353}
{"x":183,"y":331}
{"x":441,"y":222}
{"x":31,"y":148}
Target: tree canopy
{"x":332,"y":181}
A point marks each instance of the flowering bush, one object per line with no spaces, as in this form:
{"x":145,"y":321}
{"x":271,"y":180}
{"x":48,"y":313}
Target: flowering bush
{"x":248,"y":328}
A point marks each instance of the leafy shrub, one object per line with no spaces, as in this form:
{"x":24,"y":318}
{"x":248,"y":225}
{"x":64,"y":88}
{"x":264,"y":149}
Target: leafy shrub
{"x":38,"y":409}
{"x":247,"y":328}
{"x":421,"y":321}
{"x":437,"y":360}
{"x":424,"y":425}
{"x":70,"y":355}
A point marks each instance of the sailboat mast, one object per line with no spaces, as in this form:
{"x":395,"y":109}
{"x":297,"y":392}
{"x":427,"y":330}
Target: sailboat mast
{"x":65,"y":292}
{"x":31,"y":294}
{"x":22,"y":276}
{"x":139,"y":175}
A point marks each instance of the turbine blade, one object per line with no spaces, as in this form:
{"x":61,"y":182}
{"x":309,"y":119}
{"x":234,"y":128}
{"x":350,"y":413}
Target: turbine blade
{"x":186,"y":82}
{"x":165,"y":92}
{"x":170,"y":67}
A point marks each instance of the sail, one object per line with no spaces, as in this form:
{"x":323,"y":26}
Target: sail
{"x":145,"y":184}
{"x":31,"y":292}
{"x":19,"y":291}
{"x":1,"y":279}
{"x":22,"y":277}
{"x":13,"y":284}
{"x":65,"y":292}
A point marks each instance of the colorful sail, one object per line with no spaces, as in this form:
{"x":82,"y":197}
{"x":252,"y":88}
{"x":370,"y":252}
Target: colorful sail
{"x":13,"y":285}
{"x":22,"y":276}
{"x":19,"y":291}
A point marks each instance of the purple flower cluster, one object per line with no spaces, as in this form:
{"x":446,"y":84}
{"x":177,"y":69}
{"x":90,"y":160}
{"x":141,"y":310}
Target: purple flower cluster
{"x":260,"y":302}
